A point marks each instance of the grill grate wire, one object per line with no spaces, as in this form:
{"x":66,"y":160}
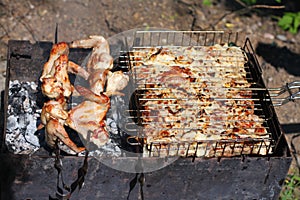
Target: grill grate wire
{"x":260,"y":95}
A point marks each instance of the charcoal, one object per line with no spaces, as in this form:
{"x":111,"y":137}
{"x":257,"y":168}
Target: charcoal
{"x":22,"y":115}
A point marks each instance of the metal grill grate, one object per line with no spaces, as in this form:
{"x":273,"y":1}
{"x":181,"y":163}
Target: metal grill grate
{"x":148,"y":39}
{"x":247,"y":92}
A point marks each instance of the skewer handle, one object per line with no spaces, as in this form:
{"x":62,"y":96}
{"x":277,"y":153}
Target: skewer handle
{"x":293,"y":89}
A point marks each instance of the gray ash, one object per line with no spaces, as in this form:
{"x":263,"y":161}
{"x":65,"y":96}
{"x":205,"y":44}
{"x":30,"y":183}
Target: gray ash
{"x":22,"y":116}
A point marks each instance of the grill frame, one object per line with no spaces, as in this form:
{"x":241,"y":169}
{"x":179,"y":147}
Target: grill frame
{"x":160,"y":39}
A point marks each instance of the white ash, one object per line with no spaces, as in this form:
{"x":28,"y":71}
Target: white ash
{"x":111,"y":126}
{"x":22,"y":116}
{"x":110,"y":149}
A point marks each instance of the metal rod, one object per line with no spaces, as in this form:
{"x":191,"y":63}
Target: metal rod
{"x":141,"y":110}
{"x":209,"y":126}
{"x":214,"y":99}
{"x":56,"y":34}
{"x":210,"y":121}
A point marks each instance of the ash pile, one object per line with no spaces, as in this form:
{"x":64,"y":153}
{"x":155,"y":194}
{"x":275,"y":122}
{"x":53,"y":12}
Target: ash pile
{"x":23,"y":114}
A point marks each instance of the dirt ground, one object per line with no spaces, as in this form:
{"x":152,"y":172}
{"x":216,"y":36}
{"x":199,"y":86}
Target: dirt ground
{"x":35,"y":20}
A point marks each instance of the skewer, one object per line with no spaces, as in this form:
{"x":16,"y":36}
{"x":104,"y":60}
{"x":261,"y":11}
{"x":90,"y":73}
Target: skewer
{"x":56,"y":34}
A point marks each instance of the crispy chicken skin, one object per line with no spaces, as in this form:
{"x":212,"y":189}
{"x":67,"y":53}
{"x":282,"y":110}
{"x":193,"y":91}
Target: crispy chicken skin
{"x":99,"y":65}
{"x":53,"y":117}
{"x":56,"y":51}
{"x":100,"y":57}
{"x":88,"y":117}
{"x":58,"y":83}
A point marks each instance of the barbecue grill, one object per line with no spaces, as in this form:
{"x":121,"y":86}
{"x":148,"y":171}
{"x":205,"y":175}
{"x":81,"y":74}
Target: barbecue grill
{"x":246,"y":173}
{"x":264,"y":99}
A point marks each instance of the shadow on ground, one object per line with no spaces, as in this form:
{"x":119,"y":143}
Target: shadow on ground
{"x":280,"y":57}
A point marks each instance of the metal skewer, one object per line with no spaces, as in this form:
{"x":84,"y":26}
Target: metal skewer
{"x":293,"y":90}
{"x":56,"y":34}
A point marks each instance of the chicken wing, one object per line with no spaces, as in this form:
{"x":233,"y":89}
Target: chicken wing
{"x":57,"y":50}
{"x":100,"y":57}
{"x":88,"y":117}
{"x":53,"y":117}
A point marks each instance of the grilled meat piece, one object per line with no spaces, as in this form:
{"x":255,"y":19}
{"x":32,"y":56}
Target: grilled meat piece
{"x":97,"y":80}
{"x":88,"y":117}
{"x":100,"y":57}
{"x":55,"y":78}
{"x":53,"y":117}
{"x":58,"y":83}
{"x":116,"y":82}
{"x":56,"y":51}
{"x":99,"y":65}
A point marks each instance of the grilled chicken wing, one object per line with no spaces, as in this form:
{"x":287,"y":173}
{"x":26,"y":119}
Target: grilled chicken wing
{"x":56,"y":51}
{"x":99,"y":65}
{"x":55,"y":79}
{"x":53,"y":117}
{"x":88,"y":117}
{"x":77,"y":69}
{"x":58,"y":83}
{"x":100,"y":57}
